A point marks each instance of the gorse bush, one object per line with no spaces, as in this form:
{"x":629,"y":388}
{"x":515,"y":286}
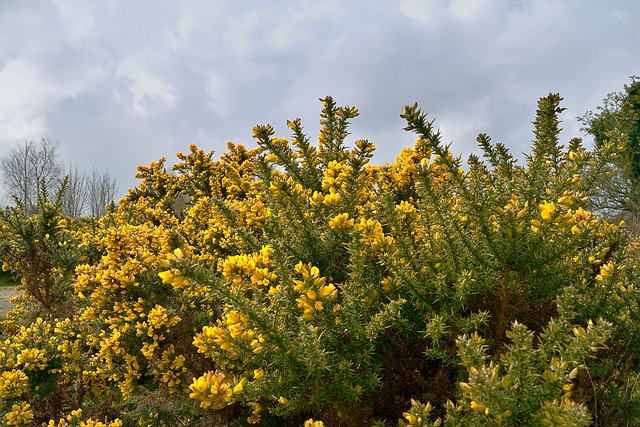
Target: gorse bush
{"x":297,"y":284}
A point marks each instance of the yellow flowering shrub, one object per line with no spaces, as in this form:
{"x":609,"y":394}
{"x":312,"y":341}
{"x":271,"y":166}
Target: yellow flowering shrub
{"x":296,"y":282}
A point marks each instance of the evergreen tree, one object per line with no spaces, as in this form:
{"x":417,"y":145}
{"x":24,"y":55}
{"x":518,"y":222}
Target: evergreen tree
{"x":617,"y":122}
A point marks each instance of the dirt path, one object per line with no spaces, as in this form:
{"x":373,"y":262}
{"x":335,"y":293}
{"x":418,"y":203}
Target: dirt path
{"x":6,"y":293}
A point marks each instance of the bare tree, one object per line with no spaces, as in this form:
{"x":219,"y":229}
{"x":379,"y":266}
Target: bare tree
{"x":101,"y":191}
{"x":32,"y":166}
{"x":29,"y":164}
{"x":74,"y":200}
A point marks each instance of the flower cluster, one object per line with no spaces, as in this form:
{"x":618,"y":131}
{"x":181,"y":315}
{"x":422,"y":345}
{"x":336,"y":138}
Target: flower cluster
{"x":313,"y":290}
{"x":230,"y":335}
{"x":74,"y":419}
{"x":19,"y":415}
{"x":252,"y":270}
{"x":214,"y":390}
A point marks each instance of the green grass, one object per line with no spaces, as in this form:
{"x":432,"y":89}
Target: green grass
{"x":6,"y":280}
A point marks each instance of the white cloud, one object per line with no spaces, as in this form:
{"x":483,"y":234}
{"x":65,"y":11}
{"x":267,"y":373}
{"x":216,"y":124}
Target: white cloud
{"x":78,"y":23}
{"x":462,"y":126}
{"x":28,"y":95}
{"x":21,"y":88}
{"x":218,"y":98}
{"x":295,"y":26}
{"x":149,"y":92}
{"x":425,"y":12}
{"x":442,"y":14}
{"x":474,"y":10}
{"x":194,"y":22}
{"x":263,"y":29}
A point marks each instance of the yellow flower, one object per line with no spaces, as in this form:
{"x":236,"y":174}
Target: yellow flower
{"x":331,"y":199}
{"x":606,"y":270}
{"x":405,"y":208}
{"x":466,"y":387}
{"x":177,"y":255}
{"x":32,"y":359}
{"x":174,"y":278}
{"x":158,"y":316}
{"x":547,"y":210}
{"x":256,"y":409}
{"x":316,"y":198}
{"x":215,"y":391}
{"x":479,"y":407}
{"x":327,"y":291}
{"x":341,"y":222}
{"x":19,"y":415}
{"x":13,"y":383}
{"x":271,"y":157}
{"x":334,"y":176}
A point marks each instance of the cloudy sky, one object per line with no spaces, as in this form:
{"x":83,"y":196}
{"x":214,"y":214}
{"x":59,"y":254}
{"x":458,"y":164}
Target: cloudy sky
{"x":122,"y":83}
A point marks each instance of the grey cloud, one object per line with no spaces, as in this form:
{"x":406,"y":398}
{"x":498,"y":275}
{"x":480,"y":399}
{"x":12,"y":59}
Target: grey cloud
{"x":121,"y":84}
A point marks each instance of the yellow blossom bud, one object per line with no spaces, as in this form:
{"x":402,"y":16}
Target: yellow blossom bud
{"x":328,"y":290}
{"x":547,"y":211}
{"x":465,"y":387}
{"x":479,"y":407}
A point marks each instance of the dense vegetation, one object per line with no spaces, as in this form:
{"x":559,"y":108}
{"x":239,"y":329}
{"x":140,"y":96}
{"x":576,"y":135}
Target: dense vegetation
{"x":618,"y":118}
{"x":297,"y":284}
